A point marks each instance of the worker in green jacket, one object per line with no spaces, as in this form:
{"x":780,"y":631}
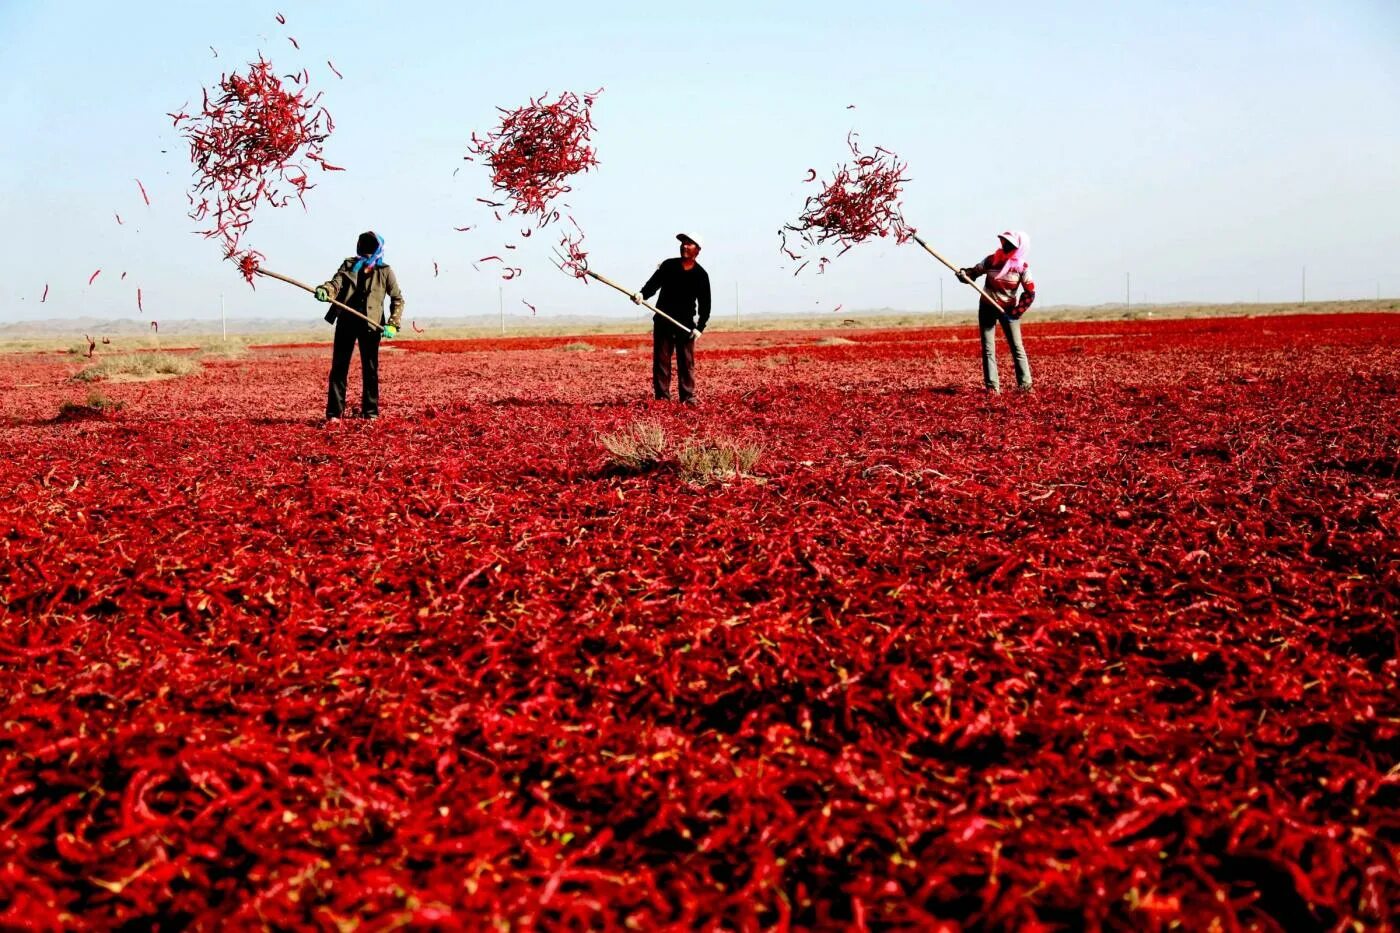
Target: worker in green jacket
{"x":361,"y":282}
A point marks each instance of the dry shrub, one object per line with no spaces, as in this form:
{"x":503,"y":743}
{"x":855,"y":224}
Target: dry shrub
{"x":140,"y":366}
{"x":705,"y":460}
{"x":638,"y":448}
{"x":96,"y":406}
{"x":835,"y":342}
{"x":224,"y":350}
{"x":579,"y":346}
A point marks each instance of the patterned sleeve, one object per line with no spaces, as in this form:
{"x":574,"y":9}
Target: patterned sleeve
{"x":1027,"y":291}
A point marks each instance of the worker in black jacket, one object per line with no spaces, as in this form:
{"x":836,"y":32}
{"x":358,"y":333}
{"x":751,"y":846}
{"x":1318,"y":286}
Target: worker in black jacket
{"x":685,"y":289}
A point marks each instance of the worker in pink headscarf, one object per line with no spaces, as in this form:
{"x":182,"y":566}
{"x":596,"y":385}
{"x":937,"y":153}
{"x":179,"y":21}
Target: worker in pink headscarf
{"x":1007,"y":273}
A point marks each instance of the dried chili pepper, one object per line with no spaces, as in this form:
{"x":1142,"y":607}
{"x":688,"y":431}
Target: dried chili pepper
{"x":252,"y":136}
{"x":94,"y":276}
{"x":860,"y":201}
{"x":536,"y":149}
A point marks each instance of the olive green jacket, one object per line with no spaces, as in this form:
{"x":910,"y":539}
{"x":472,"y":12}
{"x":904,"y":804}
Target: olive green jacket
{"x":382,"y":281}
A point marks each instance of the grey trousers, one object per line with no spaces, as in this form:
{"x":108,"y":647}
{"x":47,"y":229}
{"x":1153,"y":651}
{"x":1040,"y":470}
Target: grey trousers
{"x":987,"y":320}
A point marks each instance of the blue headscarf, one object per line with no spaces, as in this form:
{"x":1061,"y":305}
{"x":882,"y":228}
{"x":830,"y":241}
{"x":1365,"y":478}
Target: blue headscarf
{"x":374,"y":259}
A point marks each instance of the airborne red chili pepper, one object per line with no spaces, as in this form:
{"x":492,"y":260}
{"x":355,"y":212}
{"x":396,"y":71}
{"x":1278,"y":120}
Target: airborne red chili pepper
{"x":94,"y":276}
{"x":144,"y":196}
{"x":536,"y":150}
{"x":860,"y":201}
{"x":251,"y":138}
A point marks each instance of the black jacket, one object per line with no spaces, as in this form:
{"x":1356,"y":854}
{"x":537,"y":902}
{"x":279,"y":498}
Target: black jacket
{"x":682,"y":292}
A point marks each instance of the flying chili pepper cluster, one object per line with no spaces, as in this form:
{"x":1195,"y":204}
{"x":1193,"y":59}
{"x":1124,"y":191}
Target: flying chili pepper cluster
{"x":537,"y":149}
{"x":859,"y":202}
{"x":249,"y":145}
{"x":535,"y":152}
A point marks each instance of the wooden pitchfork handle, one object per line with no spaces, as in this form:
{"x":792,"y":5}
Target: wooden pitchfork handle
{"x":936,"y":255}
{"x":644,"y":304}
{"x":304,"y":287}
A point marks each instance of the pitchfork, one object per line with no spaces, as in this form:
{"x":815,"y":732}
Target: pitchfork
{"x":628,"y":292}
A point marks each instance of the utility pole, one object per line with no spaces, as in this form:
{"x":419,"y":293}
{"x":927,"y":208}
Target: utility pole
{"x":501,"y":303}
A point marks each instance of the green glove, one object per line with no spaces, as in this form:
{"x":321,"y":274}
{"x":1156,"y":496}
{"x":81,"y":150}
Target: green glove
{"x":322,"y":294}
{"x":390,"y":331}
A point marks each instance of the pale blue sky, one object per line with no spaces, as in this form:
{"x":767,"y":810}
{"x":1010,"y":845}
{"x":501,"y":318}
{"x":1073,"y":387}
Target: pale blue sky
{"x":1212,"y":149}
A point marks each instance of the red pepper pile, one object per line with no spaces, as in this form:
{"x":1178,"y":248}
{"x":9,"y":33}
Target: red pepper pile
{"x":860,"y":201}
{"x":253,"y":136}
{"x":1118,"y":655}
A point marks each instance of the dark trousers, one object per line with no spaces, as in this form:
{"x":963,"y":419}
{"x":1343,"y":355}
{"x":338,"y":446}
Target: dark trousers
{"x":349,"y":330}
{"x":666,"y":339}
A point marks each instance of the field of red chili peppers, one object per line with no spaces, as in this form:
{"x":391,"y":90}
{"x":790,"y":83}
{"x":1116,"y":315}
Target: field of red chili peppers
{"x":1115,"y":655}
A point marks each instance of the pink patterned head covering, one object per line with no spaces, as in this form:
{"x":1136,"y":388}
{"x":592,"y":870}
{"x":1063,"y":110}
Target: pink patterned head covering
{"x":1014,"y":261}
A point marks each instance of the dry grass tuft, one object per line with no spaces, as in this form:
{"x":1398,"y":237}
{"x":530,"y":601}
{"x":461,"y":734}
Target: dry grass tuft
{"x":96,"y":406}
{"x":835,"y":342}
{"x":231,"y":349}
{"x":579,"y":346}
{"x":637,"y":449}
{"x":706,"y":460}
{"x":139,"y":366}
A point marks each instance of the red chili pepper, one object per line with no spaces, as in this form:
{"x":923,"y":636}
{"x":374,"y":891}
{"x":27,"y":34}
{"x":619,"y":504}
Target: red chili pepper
{"x":528,"y":305}
{"x":861,"y":201}
{"x":295,"y":44}
{"x":45,"y":296}
{"x":435,"y":269}
{"x":281,"y":20}
{"x":250,"y":138}
{"x":118,"y":216}
{"x":94,"y":276}
{"x":138,"y":303}
{"x":416,"y":328}
{"x":334,"y":69}
{"x":144,"y":196}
